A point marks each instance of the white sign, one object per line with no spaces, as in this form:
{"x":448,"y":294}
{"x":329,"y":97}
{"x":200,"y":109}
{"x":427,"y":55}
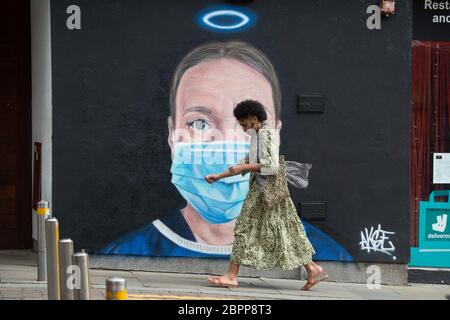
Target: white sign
{"x":441,"y":168}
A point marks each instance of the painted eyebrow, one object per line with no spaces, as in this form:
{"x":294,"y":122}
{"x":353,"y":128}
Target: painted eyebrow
{"x":197,"y":109}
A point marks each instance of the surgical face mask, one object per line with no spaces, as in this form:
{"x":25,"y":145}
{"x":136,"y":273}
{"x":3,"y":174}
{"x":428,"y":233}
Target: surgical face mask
{"x":221,"y":201}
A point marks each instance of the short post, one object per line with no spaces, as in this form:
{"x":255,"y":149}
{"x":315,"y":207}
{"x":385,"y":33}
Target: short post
{"x":81,"y":259}
{"x":51,"y":239}
{"x":116,"y":289}
{"x":42,"y":214}
{"x":65,"y":261}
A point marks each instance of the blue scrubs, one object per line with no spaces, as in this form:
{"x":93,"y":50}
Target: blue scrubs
{"x":149,"y":241}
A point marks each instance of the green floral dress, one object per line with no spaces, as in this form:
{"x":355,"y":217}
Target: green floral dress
{"x":268,"y":238}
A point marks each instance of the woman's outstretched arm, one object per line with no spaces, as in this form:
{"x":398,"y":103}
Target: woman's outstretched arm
{"x":233,"y":171}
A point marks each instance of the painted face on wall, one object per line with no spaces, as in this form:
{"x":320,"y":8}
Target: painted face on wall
{"x":208,"y":93}
{"x":208,"y":133}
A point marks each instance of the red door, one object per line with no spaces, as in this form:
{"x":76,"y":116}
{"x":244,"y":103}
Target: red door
{"x":15,"y":125}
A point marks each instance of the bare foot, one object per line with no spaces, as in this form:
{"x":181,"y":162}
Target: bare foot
{"x":223,"y":281}
{"x":315,"y":271}
{"x":315,"y":275}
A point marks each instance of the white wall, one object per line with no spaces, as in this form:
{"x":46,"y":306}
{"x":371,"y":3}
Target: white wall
{"x":41,"y":92}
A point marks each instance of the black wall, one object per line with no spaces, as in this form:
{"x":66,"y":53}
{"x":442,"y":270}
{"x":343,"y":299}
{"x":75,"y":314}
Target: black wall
{"x":111,"y":160}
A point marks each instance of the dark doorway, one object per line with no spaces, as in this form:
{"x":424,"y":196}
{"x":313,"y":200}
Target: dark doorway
{"x":15,"y":125}
{"x":430,"y":120}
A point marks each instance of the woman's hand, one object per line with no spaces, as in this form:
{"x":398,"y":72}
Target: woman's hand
{"x":210,"y":178}
{"x":237,"y":169}
{"x":232,"y":171}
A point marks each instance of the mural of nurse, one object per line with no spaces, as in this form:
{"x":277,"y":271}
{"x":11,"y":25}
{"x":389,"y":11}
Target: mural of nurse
{"x":205,"y":137}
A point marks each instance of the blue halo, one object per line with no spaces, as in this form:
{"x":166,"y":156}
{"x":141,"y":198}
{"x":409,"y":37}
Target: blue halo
{"x":225,"y":19}
{"x":220,"y":13}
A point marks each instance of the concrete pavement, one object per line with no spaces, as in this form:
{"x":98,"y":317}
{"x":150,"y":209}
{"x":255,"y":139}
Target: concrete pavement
{"x":18,"y":274}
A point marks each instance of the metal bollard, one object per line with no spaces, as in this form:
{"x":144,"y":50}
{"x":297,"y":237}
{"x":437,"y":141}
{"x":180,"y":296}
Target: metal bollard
{"x":116,"y":289}
{"x":51,"y":239}
{"x":65,"y":261}
{"x":81,"y":259}
{"x":42,"y":214}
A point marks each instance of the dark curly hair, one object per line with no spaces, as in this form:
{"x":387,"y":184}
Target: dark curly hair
{"x":248,"y":108}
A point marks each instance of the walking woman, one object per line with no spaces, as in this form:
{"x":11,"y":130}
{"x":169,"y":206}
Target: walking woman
{"x":268,"y":231}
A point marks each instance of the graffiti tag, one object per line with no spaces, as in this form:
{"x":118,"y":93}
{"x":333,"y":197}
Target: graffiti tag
{"x":376,"y":240}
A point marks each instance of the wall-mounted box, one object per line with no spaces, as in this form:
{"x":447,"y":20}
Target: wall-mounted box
{"x":310,"y":103}
{"x":312,"y":210}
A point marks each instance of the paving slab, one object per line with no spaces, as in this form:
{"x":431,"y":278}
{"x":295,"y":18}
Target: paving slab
{"x":18,"y":280}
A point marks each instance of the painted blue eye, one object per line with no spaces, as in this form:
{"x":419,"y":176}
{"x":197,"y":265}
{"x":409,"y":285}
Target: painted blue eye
{"x":199,"y":125}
